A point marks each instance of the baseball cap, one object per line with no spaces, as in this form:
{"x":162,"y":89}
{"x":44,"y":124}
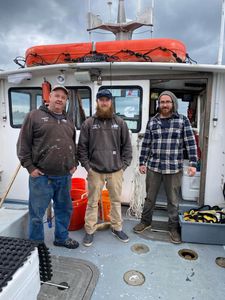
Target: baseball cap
{"x":104,"y":93}
{"x":60,"y":87}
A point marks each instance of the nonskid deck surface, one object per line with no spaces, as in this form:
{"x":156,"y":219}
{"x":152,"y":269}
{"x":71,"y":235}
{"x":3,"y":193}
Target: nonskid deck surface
{"x":167,"y":275}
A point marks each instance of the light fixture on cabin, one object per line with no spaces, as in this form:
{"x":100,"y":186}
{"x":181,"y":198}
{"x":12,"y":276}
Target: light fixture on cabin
{"x":82,"y":76}
{"x":99,"y":79}
{"x":61,"y":78}
{"x":17,"y":78}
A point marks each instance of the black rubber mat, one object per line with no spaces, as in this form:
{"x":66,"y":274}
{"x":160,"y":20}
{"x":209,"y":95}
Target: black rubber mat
{"x":13,"y":253}
{"x":45,"y":265}
{"x":80,"y":275}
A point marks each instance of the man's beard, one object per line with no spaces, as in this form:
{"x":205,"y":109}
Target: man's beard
{"x":166,"y":113}
{"x":104,"y":113}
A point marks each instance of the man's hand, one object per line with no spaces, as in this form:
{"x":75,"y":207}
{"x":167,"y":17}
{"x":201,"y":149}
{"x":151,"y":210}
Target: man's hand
{"x":191,"y":171}
{"x":142,"y":169}
{"x":36,"y":173}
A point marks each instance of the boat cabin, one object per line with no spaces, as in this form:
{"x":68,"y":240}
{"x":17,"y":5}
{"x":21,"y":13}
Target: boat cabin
{"x":135,"y":87}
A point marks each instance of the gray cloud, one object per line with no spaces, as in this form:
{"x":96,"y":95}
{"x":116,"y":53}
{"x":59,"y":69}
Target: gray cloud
{"x":26,"y":23}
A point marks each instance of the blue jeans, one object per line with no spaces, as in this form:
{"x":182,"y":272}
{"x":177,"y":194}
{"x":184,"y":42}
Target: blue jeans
{"x":42,"y":190}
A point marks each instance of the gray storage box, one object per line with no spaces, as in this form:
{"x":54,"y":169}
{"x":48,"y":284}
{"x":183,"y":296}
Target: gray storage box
{"x":203,"y":233}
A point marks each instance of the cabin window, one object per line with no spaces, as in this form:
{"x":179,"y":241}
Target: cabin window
{"x":23,"y":100}
{"x":20,"y":107}
{"x":79,"y":105}
{"x":38,"y":101}
{"x":127,"y":104}
{"x":86,"y":106}
{"x":20,"y":103}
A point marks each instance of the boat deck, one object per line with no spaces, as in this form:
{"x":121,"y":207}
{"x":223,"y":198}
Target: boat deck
{"x":167,"y":275}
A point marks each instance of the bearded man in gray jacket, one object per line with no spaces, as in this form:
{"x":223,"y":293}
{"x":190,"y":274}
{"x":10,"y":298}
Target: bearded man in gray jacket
{"x":104,"y":150}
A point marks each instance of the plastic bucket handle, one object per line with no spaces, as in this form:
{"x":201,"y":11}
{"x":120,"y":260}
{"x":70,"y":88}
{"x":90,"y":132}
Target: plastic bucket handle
{"x":84,"y":195}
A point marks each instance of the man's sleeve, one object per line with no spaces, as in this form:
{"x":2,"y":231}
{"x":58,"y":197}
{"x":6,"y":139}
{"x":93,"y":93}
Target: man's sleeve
{"x":24,"y":144}
{"x":83,"y":147}
{"x":190,"y":143}
{"x":145,"y":148}
{"x":126,"y":153}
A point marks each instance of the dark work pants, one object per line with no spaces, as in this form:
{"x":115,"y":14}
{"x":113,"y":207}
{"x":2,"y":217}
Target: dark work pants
{"x":172,"y":183}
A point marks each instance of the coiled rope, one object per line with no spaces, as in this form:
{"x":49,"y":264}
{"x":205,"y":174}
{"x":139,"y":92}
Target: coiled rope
{"x":137,"y":195}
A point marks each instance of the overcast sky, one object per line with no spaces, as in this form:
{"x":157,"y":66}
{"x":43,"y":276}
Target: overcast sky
{"x":25,"y":23}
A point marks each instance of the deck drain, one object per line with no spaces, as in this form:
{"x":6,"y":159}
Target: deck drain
{"x":140,"y":248}
{"x":188,"y":254}
{"x":220,"y":261}
{"x":134,"y":277}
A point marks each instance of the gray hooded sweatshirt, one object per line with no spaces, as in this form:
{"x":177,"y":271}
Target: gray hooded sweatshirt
{"x":104,"y":144}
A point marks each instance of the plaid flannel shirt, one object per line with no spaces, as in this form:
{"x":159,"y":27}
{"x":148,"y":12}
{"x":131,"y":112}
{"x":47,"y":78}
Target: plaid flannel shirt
{"x":162,"y":148}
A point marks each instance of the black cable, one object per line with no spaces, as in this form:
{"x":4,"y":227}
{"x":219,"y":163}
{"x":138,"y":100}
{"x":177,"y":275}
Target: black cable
{"x":18,"y":59}
{"x":45,"y":62}
{"x":177,"y":58}
{"x":137,"y":54}
{"x":189,"y":59}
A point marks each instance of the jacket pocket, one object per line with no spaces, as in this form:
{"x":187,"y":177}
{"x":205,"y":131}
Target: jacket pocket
{"x":106,"y":160}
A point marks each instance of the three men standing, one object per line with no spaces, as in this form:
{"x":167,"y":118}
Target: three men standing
{"x":46,"y":147}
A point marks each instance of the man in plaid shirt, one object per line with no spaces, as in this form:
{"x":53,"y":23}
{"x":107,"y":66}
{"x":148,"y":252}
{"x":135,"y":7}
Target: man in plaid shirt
{"x":162,"y":159}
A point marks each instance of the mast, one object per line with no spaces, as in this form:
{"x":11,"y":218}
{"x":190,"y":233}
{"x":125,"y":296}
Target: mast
{"x":138,"y":7}
{"x":220,"y":51}
{"x":122,"y":30}
{"x":110,"y":10}
{"x":89,"y":18}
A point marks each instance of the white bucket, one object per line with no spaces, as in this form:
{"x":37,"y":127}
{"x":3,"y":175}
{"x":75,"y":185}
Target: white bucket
{"x":190,"y":185}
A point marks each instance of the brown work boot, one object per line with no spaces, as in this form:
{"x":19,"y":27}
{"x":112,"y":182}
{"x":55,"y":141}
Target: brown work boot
{"x":175,"y":236}
{"x":141,"y":227}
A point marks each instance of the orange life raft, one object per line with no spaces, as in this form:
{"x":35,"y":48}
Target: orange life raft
{"x":153,"y":50}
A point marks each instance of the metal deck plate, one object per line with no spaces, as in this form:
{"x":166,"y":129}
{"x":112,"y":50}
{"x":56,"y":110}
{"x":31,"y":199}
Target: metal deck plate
{"x":134,"y":277}
{"x":220,"y":261}
{"x":80,"y":275}
{"x":140,"y":248}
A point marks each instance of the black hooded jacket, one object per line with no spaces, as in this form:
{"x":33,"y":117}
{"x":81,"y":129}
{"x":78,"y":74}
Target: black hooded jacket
{"x":104,"y":145}
{"x":47,"y":142}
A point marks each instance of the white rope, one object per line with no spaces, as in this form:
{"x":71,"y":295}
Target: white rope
{"x":137,"y":196}
{"x":137,"y":192}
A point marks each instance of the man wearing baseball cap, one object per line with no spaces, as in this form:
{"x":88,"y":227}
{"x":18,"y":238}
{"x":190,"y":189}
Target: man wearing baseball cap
{"x":104,"y":150}
{"x":60,"y":87}
{"x":46,"y":148}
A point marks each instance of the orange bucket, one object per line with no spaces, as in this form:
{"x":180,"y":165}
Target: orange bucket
{"x":79,"y":202}
{"x":106,"y":205}
{"x":78,"y":183}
